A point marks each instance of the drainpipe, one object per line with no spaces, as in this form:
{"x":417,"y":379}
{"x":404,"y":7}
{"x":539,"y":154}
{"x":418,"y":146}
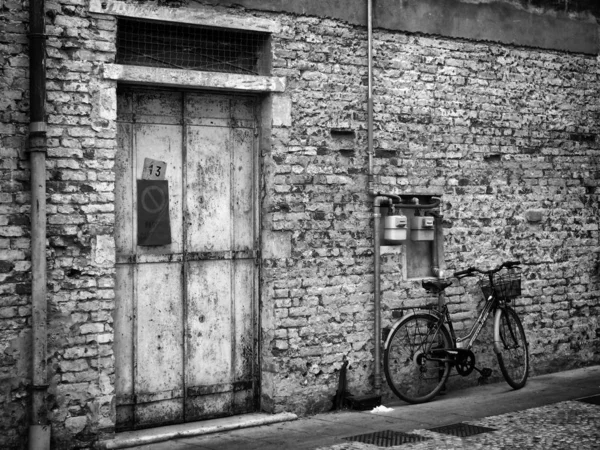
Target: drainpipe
{"x":39,"y":430}
{"x":370,"y":94}
{"x":377,"y":202}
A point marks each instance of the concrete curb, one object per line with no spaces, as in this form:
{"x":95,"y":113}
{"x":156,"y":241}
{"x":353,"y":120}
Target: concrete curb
{"x":161,"y":434}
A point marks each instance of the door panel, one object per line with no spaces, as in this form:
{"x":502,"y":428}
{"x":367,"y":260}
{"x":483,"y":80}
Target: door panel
{"x":157,"y":107}
{"x":209,"y":186}
{"x":246,"y":362}
{"x":123,"y":345}
{"x":163,"y":143}
{"x":244,"y":319}
{"x":242,"y":196}
{"x":123,"y":193}
{"x":159,"y":318}
{"x":209,"y":300}
{"x":186,"y":322}
{"x":159,"y":343}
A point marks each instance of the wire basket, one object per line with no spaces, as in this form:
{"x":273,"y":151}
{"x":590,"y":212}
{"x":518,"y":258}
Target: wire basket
{"x":506,"y":286}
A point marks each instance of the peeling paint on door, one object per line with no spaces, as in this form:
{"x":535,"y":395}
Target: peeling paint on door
{"x":185,"y":325}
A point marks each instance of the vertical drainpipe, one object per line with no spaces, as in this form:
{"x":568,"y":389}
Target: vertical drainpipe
{"x":379,"y":200}
{"x":376,"y":206}
{"x":370,"y":94}
{"x":39,"y":430}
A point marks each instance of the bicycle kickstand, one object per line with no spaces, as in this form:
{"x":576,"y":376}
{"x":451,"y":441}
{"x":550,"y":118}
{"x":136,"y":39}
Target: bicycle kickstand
{"x":485,"y":373}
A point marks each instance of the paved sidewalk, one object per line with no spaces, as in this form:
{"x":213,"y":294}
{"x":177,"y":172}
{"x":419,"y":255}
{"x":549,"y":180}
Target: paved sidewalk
{"x":542,"y":415}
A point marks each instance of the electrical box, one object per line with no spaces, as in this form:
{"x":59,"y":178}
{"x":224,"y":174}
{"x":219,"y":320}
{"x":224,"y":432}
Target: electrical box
{"x":422,"y":228}
{"x":395,"y":230}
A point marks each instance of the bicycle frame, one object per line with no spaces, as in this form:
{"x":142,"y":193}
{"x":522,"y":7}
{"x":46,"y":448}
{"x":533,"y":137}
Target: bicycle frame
{"x":466,"y":341}
{"x":469,"y":339}
{"x":442,"y":314}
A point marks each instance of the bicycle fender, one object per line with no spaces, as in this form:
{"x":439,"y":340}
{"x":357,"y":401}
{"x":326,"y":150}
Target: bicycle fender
{"x":426,"y":312}
{"x":497,"y":340}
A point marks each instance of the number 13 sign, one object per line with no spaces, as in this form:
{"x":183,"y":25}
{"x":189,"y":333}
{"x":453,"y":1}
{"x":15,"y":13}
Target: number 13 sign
{"x":154,"y":169}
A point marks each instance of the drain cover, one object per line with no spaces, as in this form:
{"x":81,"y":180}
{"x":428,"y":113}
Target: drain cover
{"x":461,"y":429}
{"x":386,"y":438}
{"x":594,"y":400}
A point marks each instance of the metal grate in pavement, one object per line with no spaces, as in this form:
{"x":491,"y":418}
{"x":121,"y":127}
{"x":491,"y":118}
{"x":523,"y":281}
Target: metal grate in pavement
{"x":594,"y":400}
{"x":386,"y":438}
{"x":461,"y":429}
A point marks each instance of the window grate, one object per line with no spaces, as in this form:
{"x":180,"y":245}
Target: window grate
{"x":184,"y":46}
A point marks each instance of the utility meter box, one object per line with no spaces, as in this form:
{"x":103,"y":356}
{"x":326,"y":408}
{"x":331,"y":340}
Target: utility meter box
{"x":422,"y":228}
{"x":395,"y":229}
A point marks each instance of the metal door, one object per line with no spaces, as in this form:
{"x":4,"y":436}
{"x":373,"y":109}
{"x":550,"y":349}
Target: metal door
{"x":186,"y":316}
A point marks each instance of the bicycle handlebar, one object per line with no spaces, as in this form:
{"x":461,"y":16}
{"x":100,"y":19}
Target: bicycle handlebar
{"x":471,"y":270}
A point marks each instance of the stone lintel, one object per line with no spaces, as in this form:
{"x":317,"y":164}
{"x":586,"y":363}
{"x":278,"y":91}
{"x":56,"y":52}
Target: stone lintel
{"x":193,"y":79}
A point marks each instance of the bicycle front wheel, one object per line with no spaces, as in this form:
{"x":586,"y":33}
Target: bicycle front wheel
{"x":410,"y":373}
{"x":511,"y":348}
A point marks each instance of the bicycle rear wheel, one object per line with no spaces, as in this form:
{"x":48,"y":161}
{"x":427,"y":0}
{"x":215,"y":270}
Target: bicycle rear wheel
{"x":410,"y":374}
{"x":511,"y":347}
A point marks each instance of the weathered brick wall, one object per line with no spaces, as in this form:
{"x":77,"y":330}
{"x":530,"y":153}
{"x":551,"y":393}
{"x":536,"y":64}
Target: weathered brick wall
{"x":315,"y":187}
{"x":81,"y":150}
{"x":507,"y":135}
{"x":14,"y":242}
{"x":80,"y":183}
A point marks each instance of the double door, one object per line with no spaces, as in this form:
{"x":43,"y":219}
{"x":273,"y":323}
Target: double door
{"x":186,"y":316}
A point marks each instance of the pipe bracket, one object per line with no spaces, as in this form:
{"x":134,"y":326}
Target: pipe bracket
{"x":38,"y":127}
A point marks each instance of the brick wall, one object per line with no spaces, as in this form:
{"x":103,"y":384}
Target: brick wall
{"x":510,"y":136}
{"x":14,"y":243}
{"x":81,"y":150}
{"x":80,"y":182}
{"x":507,"y":135}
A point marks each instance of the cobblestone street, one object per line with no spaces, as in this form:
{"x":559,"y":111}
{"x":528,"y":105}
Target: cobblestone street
{"x":564,"y":425}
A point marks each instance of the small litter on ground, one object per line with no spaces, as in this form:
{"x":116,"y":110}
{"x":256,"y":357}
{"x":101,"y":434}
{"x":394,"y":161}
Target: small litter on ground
{"x":381,"y":409}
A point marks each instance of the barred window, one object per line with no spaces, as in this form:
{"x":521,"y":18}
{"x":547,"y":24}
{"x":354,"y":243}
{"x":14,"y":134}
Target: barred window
{"x":184,"y":46}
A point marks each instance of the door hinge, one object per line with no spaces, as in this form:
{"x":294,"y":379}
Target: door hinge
{"x":256,"y":254}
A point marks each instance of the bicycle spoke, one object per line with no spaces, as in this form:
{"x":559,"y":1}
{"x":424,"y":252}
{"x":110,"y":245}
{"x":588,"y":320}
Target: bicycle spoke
{"x":410,"y":374}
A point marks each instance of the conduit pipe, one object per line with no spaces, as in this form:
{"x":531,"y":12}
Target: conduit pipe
{"x":377,"y":202}
{"x":39,"y":429}
{"x":370,"y":94}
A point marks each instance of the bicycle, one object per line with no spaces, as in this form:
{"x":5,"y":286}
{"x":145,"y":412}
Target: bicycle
{"x":422,"y":347}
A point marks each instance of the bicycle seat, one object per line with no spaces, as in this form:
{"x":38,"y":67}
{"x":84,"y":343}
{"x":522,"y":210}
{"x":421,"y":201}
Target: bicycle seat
{"x":435,"y":286}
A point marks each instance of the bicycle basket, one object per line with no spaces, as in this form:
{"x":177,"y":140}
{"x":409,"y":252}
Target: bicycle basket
{"x":506,"y":286}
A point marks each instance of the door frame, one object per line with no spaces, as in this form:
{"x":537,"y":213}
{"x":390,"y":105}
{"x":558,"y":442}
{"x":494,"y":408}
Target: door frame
{"x":274,"y":112}
{"x":262,"y":142}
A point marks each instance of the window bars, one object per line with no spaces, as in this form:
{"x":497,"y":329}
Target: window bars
{"x":184,"y":46}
